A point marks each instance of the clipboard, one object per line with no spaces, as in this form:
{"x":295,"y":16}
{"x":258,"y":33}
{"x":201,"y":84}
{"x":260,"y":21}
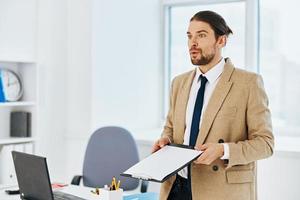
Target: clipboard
{"x":164,"y":163}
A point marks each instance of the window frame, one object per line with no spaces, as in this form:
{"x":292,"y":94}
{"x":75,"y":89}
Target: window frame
{"x":251,"y":38}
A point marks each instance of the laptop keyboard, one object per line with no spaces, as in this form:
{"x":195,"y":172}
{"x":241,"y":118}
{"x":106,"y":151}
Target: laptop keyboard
{"x":57,"y":195}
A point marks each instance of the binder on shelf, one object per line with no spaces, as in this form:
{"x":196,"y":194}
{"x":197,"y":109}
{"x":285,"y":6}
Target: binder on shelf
{"x":2,"y":97}
{"x":20,"y":124}
{"x":164,"y":163}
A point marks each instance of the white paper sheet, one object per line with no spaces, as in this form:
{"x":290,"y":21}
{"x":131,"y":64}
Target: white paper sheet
{"x":162,"y":163}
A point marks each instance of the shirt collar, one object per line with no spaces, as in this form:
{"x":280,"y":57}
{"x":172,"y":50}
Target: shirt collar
{"x":213,"y":74}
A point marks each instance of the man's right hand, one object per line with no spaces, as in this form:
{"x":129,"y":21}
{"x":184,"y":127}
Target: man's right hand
{"x":160,"y":144}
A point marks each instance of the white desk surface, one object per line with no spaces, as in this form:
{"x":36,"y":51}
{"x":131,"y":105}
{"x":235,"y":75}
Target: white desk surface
{"x":80,"y":191}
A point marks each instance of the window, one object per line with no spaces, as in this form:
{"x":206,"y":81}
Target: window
{"x":264,"y":41}
{"x":180,"y":17}
{"x":240,"y":47}
{"x":279,"y":61}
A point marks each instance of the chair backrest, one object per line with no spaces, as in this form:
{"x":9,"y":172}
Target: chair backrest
{"x":110,"y":151}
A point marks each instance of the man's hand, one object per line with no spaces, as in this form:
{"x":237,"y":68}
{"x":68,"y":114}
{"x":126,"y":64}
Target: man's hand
{"x":211,"y":152}
{"x":160,"y":144}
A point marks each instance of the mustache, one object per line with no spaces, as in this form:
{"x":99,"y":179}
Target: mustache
{"x":195,"y":49}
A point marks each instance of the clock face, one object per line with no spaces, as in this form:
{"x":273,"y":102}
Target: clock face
{"x":11,"y":84}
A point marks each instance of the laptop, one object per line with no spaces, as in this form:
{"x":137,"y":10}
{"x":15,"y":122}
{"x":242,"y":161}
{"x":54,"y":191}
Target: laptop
{"x":33,"y":178}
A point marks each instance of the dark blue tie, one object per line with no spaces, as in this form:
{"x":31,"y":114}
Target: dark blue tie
{"x":197,"y":112}
{"x":196,"y":120}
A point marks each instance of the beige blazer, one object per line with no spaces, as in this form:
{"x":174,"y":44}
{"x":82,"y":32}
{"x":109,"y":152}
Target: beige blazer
{"x":238,"y":114}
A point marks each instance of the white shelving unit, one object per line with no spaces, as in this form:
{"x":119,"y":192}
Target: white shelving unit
{"x":9,"y":140}
{"x":28,"y":74}
{"x":20,"y":103}
{"x":18,"y":36}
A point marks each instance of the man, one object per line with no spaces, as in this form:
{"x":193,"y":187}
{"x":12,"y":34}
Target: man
{"x":220,"y":110}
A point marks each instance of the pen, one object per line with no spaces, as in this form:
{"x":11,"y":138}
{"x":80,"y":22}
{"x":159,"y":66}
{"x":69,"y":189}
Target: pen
{"x":114,"y":179}
{"x":118,"y":186}
{"x":113,"y":184}
{"x":97,"y":191}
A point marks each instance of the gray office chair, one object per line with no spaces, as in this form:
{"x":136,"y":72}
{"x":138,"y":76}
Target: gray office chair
{"x":110,"y":151}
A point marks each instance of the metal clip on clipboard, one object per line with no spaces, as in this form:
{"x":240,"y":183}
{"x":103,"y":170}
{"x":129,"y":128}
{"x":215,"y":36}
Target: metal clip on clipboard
{"x":141,"y":176}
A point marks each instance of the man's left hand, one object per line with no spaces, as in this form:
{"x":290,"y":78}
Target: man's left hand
{"x":211,"y":152}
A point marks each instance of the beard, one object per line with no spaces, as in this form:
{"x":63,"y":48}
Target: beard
{"x":204,"y":59}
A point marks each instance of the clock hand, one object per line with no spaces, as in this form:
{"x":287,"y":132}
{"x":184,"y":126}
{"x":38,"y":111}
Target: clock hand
{"x":13,"y":83}
{"x":8,"y":81}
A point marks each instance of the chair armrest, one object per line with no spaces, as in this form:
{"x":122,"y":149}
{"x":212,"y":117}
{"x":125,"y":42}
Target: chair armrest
{"x":76,"y":180}
{"x":144,"y":186}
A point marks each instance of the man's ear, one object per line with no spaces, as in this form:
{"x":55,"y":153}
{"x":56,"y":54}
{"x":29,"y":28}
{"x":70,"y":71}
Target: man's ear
{"x":222,"y":41}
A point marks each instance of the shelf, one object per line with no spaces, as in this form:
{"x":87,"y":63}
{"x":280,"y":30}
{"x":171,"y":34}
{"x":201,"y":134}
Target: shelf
{"x":19,"y":103}
{"x":8,"y":186}
{"x":16,"y":60}
{"x":11,"y":140}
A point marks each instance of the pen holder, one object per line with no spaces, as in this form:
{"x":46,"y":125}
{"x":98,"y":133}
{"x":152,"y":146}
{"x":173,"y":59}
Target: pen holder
{"x":112,"y":194}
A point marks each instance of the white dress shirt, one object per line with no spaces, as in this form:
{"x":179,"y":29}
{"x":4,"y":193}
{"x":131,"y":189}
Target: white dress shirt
{"x":213,"y":76}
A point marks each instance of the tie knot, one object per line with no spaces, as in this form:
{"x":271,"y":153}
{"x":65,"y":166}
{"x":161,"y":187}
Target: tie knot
{"x":203,"y":79}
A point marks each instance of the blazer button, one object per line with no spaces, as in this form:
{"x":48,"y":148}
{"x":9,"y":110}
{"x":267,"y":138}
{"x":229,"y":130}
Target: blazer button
{"x":221,"y":141}
{"x":215,"y":168}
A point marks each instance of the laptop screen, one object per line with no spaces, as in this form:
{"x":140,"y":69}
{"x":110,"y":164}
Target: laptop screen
{"x":33,"y":177}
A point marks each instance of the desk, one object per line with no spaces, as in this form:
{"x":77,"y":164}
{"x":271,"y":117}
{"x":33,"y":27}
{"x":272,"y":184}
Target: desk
{"x":80,"y":191}
{"x":83,"y":192}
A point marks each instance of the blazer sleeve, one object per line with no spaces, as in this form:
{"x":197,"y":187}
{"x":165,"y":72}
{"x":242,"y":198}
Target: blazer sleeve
{"x":168,"y":127}
{"x":260,"y":142}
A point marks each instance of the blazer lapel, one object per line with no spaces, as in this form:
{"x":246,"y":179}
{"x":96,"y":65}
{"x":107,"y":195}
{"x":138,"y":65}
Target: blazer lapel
{"x":215,"y":102}
{"x":183,"y":98}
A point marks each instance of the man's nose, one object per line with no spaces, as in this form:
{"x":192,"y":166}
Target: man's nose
{"x":194,"y":42}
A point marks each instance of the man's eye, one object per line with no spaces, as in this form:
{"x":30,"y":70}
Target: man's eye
{"x":202,"y":35}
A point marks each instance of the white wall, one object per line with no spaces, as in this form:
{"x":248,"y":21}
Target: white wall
{"x":79,"y":68}
{"x":64,"y":53}
{"x":52,"y":59}
{"x":18,"y":17}
{"x":126,"y":60}
{"x":79,"y":85}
